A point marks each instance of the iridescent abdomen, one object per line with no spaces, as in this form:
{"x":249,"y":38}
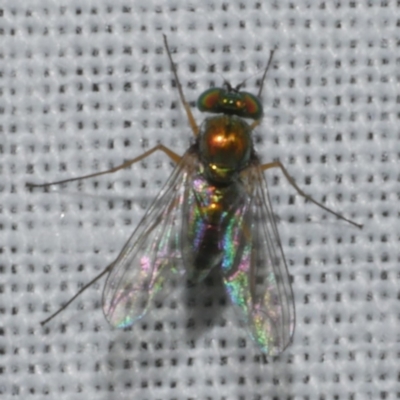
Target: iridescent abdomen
{"x":211,"y":209}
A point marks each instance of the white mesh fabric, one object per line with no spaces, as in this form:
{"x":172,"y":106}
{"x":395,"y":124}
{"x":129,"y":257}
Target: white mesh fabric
{"x":86,"y":85}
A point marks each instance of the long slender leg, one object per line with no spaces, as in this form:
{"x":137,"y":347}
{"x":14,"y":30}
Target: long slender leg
{"x":278,"y":164}
{"x":172,"y":155}
{"x":80,"y":291}
{"x":126,"y":164}
{"x":189,"y":114}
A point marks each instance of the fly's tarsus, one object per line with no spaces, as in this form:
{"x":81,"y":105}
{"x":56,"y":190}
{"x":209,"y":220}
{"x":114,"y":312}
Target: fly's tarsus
{"x":278,"y":164}
{"x":170,"y":153}
{"x":77,"y":294}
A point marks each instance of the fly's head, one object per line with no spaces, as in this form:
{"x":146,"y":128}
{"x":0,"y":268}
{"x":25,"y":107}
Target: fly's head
{"x":230,"y":101}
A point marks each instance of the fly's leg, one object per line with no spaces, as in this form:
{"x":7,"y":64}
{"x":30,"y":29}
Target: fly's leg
{"x":78,"y":293}
{"x":186,"y":105}
{"x":172,"y":155}
{"x":278,"y":164}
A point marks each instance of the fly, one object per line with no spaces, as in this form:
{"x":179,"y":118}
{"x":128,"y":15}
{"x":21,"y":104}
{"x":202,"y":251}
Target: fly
{"x":213,"y":212}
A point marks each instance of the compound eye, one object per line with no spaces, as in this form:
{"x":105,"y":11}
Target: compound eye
{"x":252,"y":106}
{"x":210,"y":100}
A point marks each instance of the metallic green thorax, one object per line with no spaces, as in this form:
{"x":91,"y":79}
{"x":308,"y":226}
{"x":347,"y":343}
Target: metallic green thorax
{"x":225,"y":147}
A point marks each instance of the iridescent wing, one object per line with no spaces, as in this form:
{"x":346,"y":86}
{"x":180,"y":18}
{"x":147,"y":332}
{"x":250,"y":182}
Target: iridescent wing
{"x":256,"y":276}
{"x":151,"y":254}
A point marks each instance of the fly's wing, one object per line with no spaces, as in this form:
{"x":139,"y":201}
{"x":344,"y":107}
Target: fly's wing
{"x":256,"y":278}
{"x":150,"y":255}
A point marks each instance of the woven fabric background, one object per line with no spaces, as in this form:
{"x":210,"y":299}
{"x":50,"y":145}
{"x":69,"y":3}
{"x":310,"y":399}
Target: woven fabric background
{"x":85,"y":85}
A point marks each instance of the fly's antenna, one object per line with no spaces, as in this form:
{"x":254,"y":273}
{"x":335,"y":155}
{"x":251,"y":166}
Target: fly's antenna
{"x":271,"y":55}
{"x":210,"y":66}
{"x":238,"y":87}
